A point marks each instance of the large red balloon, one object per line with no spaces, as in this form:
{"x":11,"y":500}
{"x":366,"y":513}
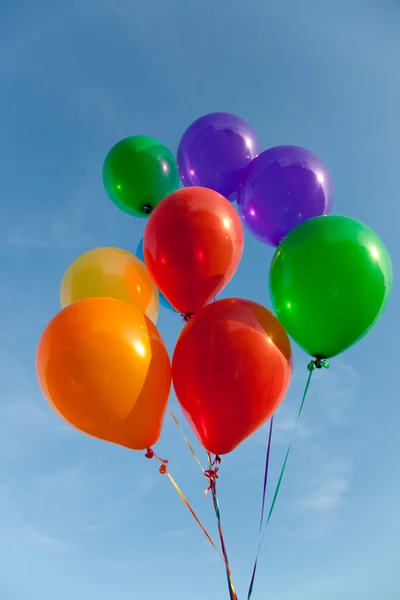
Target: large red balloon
{"x":231,"y":369}
{"x":193,"y":243}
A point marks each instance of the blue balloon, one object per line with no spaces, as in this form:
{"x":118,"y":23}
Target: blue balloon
{"x":163,"y":301}
{"x":139,"y":251}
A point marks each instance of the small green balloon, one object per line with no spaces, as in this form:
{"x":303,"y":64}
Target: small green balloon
{"x":330,"y":281}
{"x":138,"y":173}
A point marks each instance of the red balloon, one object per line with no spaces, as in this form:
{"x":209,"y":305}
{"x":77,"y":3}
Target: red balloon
{"x":231,"y":369}
{"x":193,"y":243}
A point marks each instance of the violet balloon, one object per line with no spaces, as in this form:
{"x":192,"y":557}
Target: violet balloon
{"x":281,"y":188}
{"x":215,"y":151}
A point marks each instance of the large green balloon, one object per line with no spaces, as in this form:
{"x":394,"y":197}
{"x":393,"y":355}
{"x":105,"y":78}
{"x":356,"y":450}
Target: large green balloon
{"x":138,"y":173}
{"x":330,"y":281}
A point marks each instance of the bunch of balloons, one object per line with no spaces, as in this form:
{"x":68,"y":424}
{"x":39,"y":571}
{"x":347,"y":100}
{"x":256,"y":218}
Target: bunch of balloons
{"x":101,"y":362}
{"x":103,"y":366}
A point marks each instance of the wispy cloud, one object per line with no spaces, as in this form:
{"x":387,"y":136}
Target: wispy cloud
{"x":322,"y":501}
{"x":23,"y":418}
{"x":332,"y":395}
{"x":336,"y":392}
{"x":48,"y":540}
{"x":285,"y":423}
{"x":318,"y":482}
{"x":68,"y":228}
{"x":177,"y":533}
{"x":59,"y":510}
{"x":327,"y":490}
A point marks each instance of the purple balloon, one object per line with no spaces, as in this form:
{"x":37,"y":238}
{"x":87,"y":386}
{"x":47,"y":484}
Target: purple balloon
{"x":215,"y":151}
{"x":281,"y":188}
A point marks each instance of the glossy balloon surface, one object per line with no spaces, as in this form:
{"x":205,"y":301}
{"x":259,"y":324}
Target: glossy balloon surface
{"x":104,"y":368}
{"x":163,"y":301}
{"x":281,"y":188}
{"x":112,"y":273}
{"x":330,"y":281}
{"x":231,"y":370}
{"x":138,"y":173}
{"x":214,"y":152}
{"x":193,"y":243}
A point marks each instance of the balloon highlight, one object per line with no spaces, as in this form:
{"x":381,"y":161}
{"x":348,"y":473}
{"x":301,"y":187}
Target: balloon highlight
{"x":102,"y":366}
{"x":330,"y":281}
{"x":193,"y":243}
{"x":138,"y":173}
{"x":281,"y":188}
{"x":215,"y":151}
{"x":111,"y":273}
{"x":231,"y":369}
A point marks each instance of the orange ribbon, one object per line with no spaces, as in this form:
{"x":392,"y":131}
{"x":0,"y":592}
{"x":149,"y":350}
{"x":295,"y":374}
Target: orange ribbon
{"x":164,"y":471}
{"x":212,"y":475}
{"x":189,"y":445}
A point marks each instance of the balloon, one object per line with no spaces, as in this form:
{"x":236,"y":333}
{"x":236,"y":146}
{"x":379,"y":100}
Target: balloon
{"x":138,"y":173}
{"x":113,"y":273}
{"x":104,"y":368}
{"x":282,"y":187}
{"x":215,"y":150}
{"x":163,"y":301}
{"x":330,"y":281}
{"x":231,"y":370}
{"x":193,"y":243}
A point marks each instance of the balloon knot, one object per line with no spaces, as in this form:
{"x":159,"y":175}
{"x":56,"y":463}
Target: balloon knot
{"x":146,"y":208}
{"x":212,"y":473}
{"x":151,"y":454}
{"x":186,"y":318}
{"x":212,"y":476}
{"x":318,"y":363}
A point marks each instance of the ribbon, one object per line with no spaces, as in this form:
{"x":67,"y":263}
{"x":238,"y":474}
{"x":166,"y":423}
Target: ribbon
{"x":212,"y":476}
{"x":253,"y":576}
{"x":164,"y":471}
{"x":266,"y":472}
{"x":189,"y":445}
{"x":315,"y":364}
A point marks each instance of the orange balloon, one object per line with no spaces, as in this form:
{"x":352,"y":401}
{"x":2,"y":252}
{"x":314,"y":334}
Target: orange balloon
{"x":103,"y":366}
{"x":112,"y":273}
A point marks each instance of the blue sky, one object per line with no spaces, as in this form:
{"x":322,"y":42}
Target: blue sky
{"x":87,"y":520}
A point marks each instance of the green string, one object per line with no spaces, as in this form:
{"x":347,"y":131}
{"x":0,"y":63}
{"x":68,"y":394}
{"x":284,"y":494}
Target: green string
{"x":315,"y":364}
{"x":278,"y":486}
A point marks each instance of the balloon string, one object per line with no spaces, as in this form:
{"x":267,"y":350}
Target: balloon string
{"x":266,"y":472}
{"x":189,"y":445}
{"x":194,"y":514}
{"x":315,"y":364}
{"x":253,"y":576}
{"x":164,"y":471}
{"x":212,"y":475}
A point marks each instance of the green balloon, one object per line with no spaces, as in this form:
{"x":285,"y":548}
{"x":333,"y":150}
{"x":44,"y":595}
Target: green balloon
{"x":330,"y":281}
{"x":138,"y":173}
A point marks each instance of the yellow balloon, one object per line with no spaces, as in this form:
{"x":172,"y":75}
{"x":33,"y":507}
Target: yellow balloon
{"x":110,"y":273}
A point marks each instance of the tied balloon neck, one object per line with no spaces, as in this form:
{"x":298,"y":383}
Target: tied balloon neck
{"x":147,"y":209}
{"x":163,"y":467}
{"x":186,"y":318}
{"x":212,"y":474}
{"x":318,"y":363}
